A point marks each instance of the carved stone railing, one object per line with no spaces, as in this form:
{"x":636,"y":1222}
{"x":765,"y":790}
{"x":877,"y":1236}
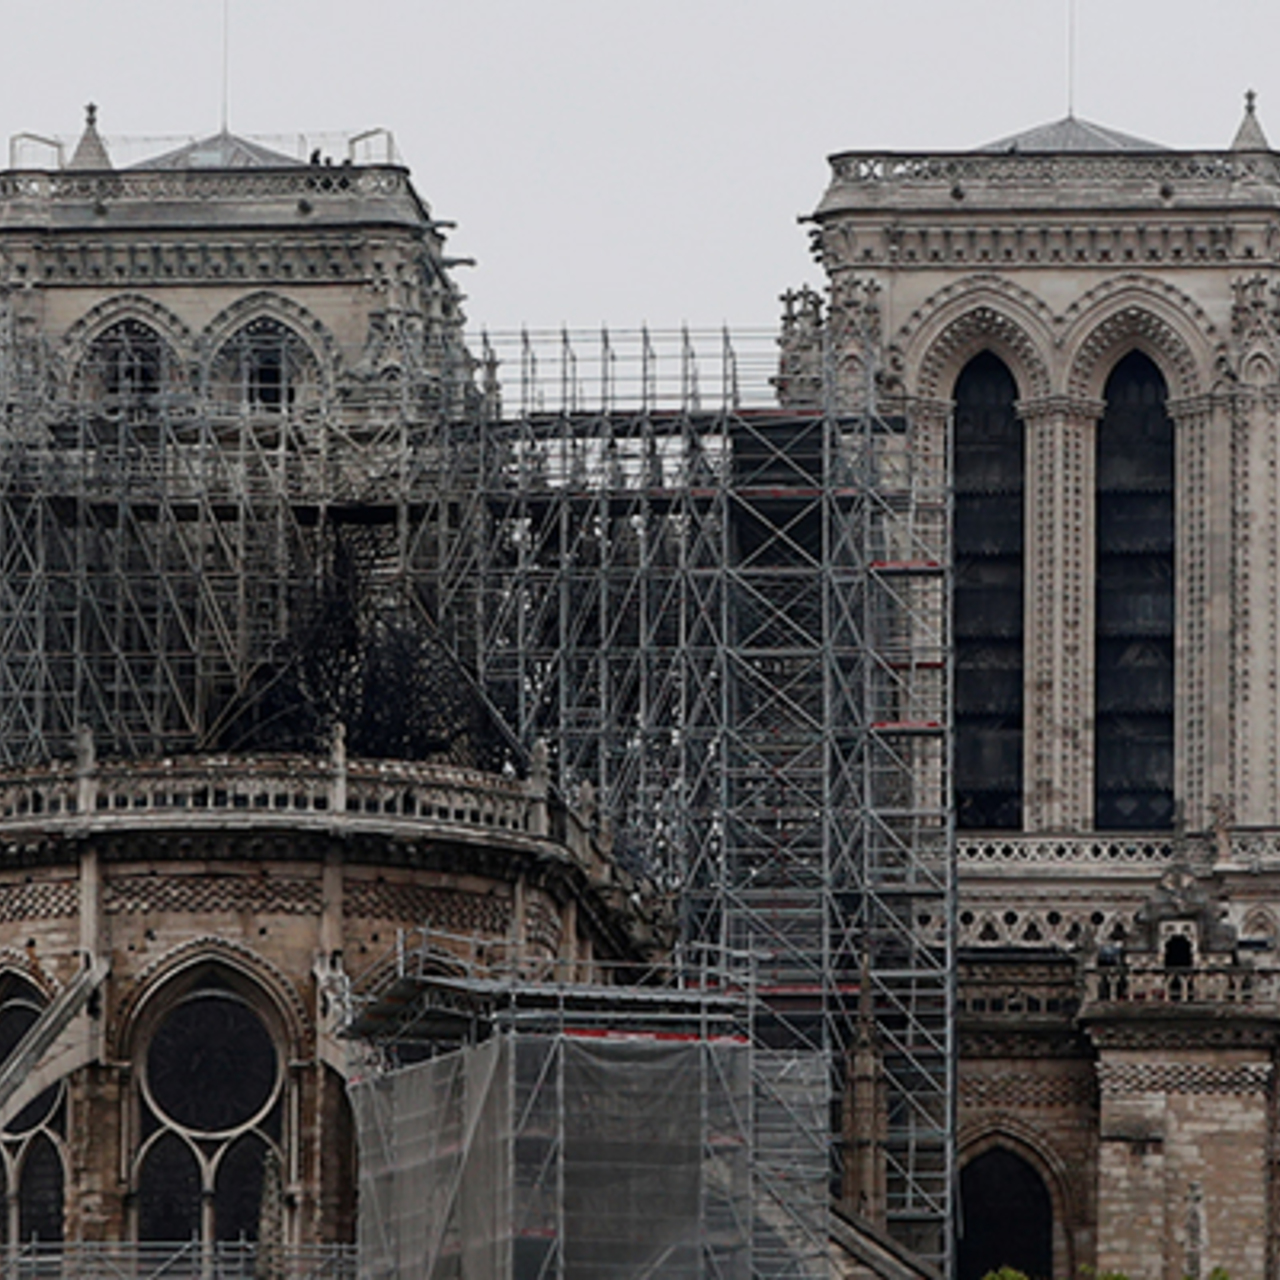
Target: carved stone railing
{"x":1154,"y":985}
{"x":152,"y":185}
{"x":272,"y":790}
{"x":995,"y":853}
{"x":179,"y":1260}
{"x":1254,"y":848}
{"x":31,"y":196}
{"x":1016,"y":1000}
{"x":852,"y":170}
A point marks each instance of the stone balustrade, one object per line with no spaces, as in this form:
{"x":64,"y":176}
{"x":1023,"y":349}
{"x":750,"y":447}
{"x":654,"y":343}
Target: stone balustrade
{"x":1155,"y":985}
{"x":158,"y":185}
{"x":1085,"y":854}
{"x":1026,"y":174}
{"x":399,"y":797}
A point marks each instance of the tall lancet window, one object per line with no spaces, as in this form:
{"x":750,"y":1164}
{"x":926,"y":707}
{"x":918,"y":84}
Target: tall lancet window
{"x":1133,"y":767}
{"x":988,"y":468}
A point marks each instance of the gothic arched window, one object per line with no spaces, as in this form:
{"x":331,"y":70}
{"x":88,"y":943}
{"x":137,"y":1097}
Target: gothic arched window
{"x":1133,"y":733}
{"x":40,"y":1192}
{"x":128,"y":363}
{"x":31,"y":1137}
{"x":264,"y":367}
{"x":124,"y":382}
{"x":987,"y":469}
{"x":1006,"y":1218}
{"x":211,"y":1110}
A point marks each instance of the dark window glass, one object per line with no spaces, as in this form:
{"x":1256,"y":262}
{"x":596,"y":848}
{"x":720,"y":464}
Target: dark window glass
{"x":1177,"y":953}
{"x":1133,"y":692}
{"x":15,"y":1021}
{"x":265,"y":366}
{"x":126,"y":364}
{"x":211,"y":1064}
{"x":987,"y":467}
{"x":238,"y":1190}
{"x":169,"y":1192}
{"x":36,"y":1111}
{"x":40,"y":1193}
{"x":1006,"y":1216}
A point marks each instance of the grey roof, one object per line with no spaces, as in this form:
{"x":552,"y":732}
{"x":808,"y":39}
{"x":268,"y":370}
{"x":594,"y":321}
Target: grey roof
{"x":1072,"y":134}
{"x":222,"y":151}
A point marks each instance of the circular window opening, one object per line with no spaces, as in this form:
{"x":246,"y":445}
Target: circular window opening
{"x":211,"y":1065}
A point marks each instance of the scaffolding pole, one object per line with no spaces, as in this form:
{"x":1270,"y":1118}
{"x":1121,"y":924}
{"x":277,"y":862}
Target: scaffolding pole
{"x":731,"y":621}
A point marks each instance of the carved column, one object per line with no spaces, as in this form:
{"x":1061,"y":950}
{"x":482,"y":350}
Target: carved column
{"x":1255,"y":600}
{"x":1058,"y":612}
{"x":924,"y":471}
{"x":1202,"y":612}
{"x":1255,"y":551}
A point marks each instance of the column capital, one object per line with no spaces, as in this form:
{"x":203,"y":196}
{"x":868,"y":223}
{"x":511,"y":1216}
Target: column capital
{"x":927,"y":409}
{"x":1189,"y":407}
{"x":1077,"y":407}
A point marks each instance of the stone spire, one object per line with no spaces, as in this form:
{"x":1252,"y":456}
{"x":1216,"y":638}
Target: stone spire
{"x":1249,"y":137}
{"x":91,"y":152}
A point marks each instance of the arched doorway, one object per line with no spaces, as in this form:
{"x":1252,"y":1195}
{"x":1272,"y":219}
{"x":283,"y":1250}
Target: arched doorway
{"x":1006,"y":1217}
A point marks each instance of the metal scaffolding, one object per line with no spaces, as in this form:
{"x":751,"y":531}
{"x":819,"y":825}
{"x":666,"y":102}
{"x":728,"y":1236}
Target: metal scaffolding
{"x":219,"y":557}
{"x":567,"y":1129}
{"x":728,"y":620}
{"x":731,"y":624}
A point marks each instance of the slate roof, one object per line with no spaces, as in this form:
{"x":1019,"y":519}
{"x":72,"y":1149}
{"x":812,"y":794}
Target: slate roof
{"x":222,"y":151}
{"x":1072,"y":134}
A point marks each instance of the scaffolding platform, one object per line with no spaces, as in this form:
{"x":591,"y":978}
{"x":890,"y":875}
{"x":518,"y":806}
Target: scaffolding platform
{"x":582,"y":1131}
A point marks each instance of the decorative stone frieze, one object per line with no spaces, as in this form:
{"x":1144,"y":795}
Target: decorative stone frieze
{"x":1117,"y":1079}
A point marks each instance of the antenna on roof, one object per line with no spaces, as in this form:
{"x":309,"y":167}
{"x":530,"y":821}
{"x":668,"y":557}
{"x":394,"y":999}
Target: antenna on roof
{"x":226,"y":46}
{"x":1071,"y":59}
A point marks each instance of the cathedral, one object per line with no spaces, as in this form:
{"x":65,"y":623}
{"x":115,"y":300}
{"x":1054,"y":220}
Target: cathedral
{"x":284,"y":687}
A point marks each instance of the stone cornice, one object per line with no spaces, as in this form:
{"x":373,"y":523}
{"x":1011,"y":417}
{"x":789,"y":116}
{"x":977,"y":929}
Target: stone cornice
{"x":1179,"y":1027}
{"x":1033,"y":237}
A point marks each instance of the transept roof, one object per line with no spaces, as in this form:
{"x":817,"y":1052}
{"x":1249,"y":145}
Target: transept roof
{"x":1071,"y":134}
{"x":222,"y":151}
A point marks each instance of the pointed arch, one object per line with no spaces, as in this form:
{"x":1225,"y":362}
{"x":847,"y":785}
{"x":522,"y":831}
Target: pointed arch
{"x":978,"y":314}
{"x":1010,"y":1134}
{"x":1137,"y":314}
{"x":168,"y":976}
{"x":1134,"y":596}
{"x":121,"y":307}
{"x":988,"y":466}
{"x":266,"y":304}
{"x":169,"y":1189}
{"x":210,"y":1037}
{"x":41,"y":1192}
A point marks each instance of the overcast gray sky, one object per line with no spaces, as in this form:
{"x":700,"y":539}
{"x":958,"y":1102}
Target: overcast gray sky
{"x":637,"y":162}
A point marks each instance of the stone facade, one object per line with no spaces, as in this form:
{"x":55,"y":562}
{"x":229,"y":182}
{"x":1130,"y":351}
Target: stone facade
{"x":1117,"y":1023}
{"x":208,"y":365}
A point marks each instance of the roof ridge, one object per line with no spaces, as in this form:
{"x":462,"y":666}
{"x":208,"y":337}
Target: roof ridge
{"x":1071,"y":133}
